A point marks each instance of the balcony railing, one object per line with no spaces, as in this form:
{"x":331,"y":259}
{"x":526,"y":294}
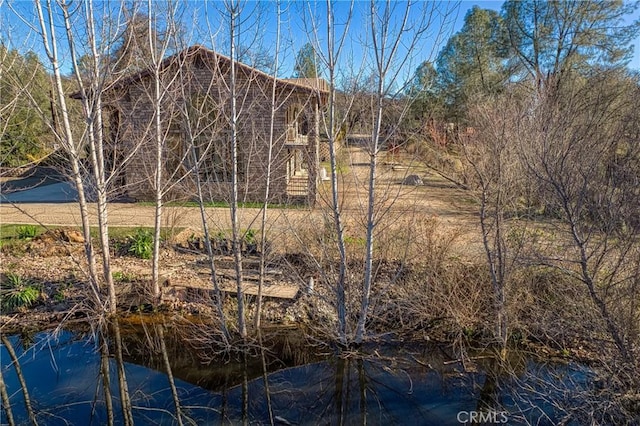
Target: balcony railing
{"x":295,"y":139}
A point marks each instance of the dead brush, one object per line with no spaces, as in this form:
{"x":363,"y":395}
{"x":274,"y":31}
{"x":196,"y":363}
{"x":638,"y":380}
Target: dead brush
{"x":424,"y":284}
{"x":173,"y":219}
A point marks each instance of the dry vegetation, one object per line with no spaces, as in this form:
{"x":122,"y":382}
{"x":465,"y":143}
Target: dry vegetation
{"x":430,"y":280}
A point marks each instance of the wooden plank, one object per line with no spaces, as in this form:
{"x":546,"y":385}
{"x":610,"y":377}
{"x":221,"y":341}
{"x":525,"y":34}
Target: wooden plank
{"x":231,"y":275}
{"x":280,"y":291}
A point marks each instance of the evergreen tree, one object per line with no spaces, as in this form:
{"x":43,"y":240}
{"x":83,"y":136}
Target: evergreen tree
{"x":552,"y":40}
{"x":306,"y":65}
{"x":426,"y":100}
{"x":133,"y":50}
{"x":25,"y":107}
{"x":472,"y":61}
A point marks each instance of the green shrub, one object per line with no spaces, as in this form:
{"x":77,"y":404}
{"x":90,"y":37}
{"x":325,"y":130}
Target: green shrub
{"x":356,"y":241}
{"x":16,"y":292}
{"x":250,"y":243}
{"x":12,"y":280}
{"x":250,"y":236}
{"x":122,"y":277}
{"x":27,"y":232}
{"x":142,"y":244}
{"x":59,"y":296}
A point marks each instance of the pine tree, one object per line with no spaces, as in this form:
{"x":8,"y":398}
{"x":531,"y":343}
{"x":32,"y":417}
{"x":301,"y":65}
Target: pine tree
{"x":306,"y":65}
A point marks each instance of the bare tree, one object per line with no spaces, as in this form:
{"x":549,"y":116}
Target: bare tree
{"x":71,"y":146}
{"x":495,"y":172}
{"x":201,"y":131}
{"x":395,"y":31}
{"x":248,"y":128}
{"x":91,"y":98}
{"x":270,"y":143}
{"x":159,"y":100}
{"x":234,"y":8}
{"x":581,"y":150}
{"x":390,"y":44}
{"x":329,"y":55}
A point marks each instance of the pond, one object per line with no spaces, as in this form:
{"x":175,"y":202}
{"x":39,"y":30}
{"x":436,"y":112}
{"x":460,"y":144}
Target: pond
{"x":163,"y":376}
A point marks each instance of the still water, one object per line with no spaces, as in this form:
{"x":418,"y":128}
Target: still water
{"x":71,"y":379}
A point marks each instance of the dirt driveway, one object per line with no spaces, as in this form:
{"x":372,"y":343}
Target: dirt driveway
{"x":436,"y":198}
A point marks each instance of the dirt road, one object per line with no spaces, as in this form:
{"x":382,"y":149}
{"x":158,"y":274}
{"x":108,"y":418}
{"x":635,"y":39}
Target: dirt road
{"x":436,"y":198}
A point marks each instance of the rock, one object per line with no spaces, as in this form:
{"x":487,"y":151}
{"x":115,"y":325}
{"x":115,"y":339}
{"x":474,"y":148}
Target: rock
{"x":413,"y":180}
{"x":185,"y":237}
{"x":73,"y":236}
{"x":54,"y":242}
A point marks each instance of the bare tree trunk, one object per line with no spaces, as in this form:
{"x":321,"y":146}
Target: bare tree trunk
{"x":590,"y":282}
{"x":160,"y":93}
{"x":155,"y":267}
{"x":330,"y":58}
{"x":210,"y":255}
{"x":337,"y":218}
{"x":67,"y":140}
{"x":496,"y":257}
{"x":390,"y":29}
{"x":371,"y":225}
{"x":233,"y":8}
{"x":92,"y":105}
{"x":263,"y":220}
{"x":491,"y":157}
{"x":23,"y":384}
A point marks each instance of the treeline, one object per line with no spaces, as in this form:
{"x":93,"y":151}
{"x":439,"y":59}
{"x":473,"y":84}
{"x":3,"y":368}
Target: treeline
{"x":25,"y":109}
{"x":540,"y":45}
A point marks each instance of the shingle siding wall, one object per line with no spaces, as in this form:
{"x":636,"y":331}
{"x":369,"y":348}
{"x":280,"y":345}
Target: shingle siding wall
{"x":137,"y":134}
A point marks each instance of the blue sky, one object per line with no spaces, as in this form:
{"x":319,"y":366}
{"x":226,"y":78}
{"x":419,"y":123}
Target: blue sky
{"x":202,"y":24}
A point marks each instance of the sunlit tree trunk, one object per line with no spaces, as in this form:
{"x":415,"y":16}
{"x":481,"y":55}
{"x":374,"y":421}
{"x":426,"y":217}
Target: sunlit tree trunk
{"x":392,"y":27}
{"x":330,"y":55}
{"x":50,"y":43}
{"x":160,"y":92}
{"x":265,"y":205}
{"x":233,"y":9}
{"x":92,"y":106}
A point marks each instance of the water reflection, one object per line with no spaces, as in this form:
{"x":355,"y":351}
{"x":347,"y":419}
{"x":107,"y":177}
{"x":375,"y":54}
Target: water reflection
{"x":114,"y":374}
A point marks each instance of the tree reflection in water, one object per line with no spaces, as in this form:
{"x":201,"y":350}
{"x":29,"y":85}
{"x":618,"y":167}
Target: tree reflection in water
{"x":118,"y":374}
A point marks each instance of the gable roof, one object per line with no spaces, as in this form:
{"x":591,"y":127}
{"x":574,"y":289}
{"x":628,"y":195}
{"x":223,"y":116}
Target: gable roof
{"x":312,"y":85}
